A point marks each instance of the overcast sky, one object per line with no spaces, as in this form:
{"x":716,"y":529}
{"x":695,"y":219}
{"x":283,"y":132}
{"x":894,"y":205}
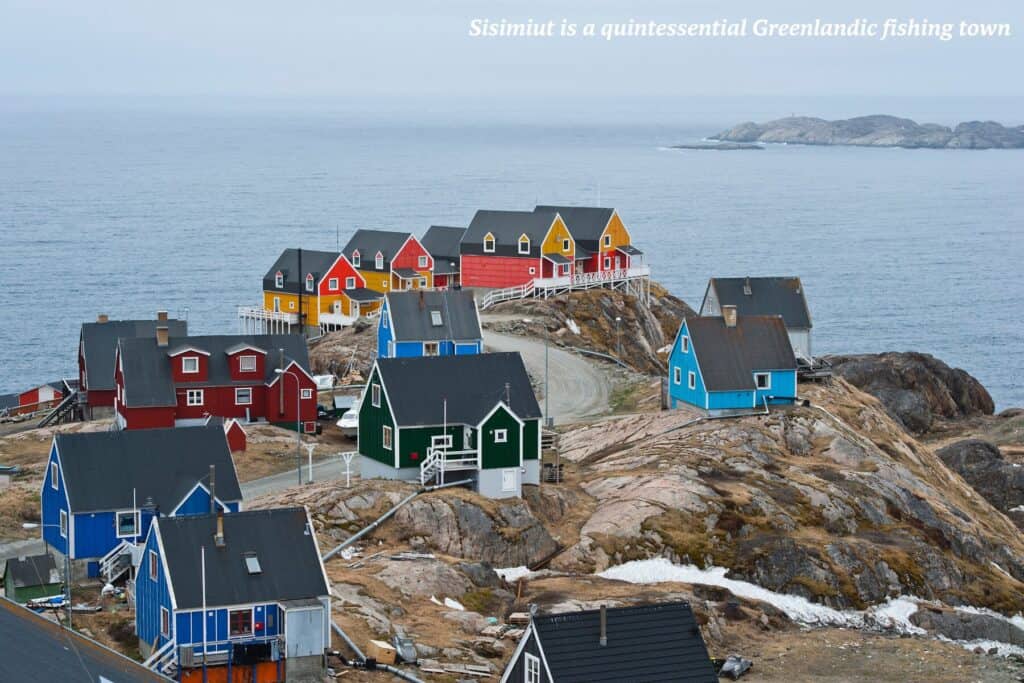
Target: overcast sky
{"x":420,"y":50}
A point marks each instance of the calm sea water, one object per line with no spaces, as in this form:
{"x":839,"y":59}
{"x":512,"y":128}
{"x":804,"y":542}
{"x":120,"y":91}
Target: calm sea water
{"x":125,"y":212}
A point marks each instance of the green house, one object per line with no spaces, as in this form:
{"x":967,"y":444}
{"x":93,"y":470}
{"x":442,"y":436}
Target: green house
{"x":450,"y":418}
{"x":28,"y":578}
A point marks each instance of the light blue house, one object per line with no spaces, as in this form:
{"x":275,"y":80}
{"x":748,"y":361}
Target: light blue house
{"x":732,"y":362}
{"x":420,"y":323}
{"x":102,"y":490}
{"x":216,"y":590}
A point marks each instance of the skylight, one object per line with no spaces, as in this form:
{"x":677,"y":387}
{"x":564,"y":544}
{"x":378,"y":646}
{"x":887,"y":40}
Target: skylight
{"x":435,"y":318}
{"x":252,"y":564}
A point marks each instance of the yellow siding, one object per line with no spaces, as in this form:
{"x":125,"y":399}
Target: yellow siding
{"x":398,"y":284}
{"x":376,"y":281}
{"x":290,"y":304}
{"x":617,"y":231}
{"x":553,"y":240}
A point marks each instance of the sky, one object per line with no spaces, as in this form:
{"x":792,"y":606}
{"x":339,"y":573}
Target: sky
{"x":419,"y":54}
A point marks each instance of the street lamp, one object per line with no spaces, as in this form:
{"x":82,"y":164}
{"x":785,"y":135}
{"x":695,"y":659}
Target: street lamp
{"x":618,"y":335}
{"x":298,"y":418}
{"x":67,"y":563}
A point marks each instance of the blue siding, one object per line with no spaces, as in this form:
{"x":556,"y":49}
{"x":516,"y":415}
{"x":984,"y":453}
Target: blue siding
{"x":783,"y":383}
{"x":730,"y":400}
{"x":51,"y":503}
{"x":198,"y":503}
{"x":414,"y":349}
{"x":384,"y":334}
{"x":189,"y":626}
{"x":686,"y":362}
{"x":463,"y":349}
{"x":150,"y":596}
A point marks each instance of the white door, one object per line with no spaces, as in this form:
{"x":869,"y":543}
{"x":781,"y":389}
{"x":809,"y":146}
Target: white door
{"x":304,"y":632}
{"x":508,"y":480}
{"x":355,"y":309}
{"x":337,"y":307}
{"x":277,"y":304}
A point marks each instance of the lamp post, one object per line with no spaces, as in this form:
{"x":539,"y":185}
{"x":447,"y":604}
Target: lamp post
{"x":618,"y":336}
{"x":67,"y":564}
{"x":298,"y":418}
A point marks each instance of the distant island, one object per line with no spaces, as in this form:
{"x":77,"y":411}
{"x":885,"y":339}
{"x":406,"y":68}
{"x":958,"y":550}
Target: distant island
{"x":720,"y":146}
{"x":877,"y":131}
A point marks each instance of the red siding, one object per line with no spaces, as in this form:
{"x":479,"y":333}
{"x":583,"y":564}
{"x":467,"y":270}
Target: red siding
{"x":289,"y":416}
{"x":236,"y":437}
{"x":497,"y":271}
{"x":147,"y":418}
{"x":178,"y":376}
{"x":220,"y":402}
{"x":235,"y":361}
{"x":408,"y":256}
{"x":341,"y":269}
{"x":101,"y":398}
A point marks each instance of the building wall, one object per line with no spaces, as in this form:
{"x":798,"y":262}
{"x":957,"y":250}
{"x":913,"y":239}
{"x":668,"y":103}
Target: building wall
{"x":293,"y":406}
{"x":731,"y":400}
{"x":408,"y":257}
{"x":289,"y":301}
{"x":373,"y":469}
{"x":783,"y":383}
{"x":150,"y":596}
{"x":800,"y":340}
{"x":371,"y":422}
{"x":378,"y":281}
{"x":189,"y":626}
{"x":531,"y":439}
{"x":531,"y":472}
{"x":500,"y":455}
{"x":416,"y":440}
{"x":51,"y":503}
{"x":491,"y":483}
{"x":27,"y":593}
{"x":468,"y":349}
{"x":147,"y":418}
{"x":516,"y":670}
{"x":220,"y":401}
{"x":554,"y":241}
{"x":384,"y":333}
{"x":686,"y":362}
{"x":198,"y":503}
{"x":489,"y":270}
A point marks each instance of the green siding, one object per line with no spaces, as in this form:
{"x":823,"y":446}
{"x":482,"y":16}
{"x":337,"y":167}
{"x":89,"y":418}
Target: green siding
{"x":497,"y":455}
{"x":27,"y":593}
{"x":417,"y":440}
{"x":371,"y":423}
{"x":531,"y":442}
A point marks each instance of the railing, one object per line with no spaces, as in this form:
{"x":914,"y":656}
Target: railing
{"x":66,"y":405}
{"x":164,"y":659}
{"x":548,"y":285}
{"x":339,"y":319}
{"x":441,"y":460}
{"x":260,"y":313}
{"x":507,"y":294}
{"x":115,"y":563}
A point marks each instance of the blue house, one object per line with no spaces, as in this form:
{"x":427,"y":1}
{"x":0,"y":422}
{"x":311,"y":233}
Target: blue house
{"x":258,"y":579}
{"x":102,"y":490}
{"x":421,"y":323}
{"x":732,"y":362}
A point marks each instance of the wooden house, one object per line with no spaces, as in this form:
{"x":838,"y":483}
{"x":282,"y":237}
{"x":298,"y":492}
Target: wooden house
{"x":97,"y":344}
{"x":509,"y":248}
{"x":641,"y":643}
{"x":236,"y":436}
{"x":732,"y":362}
{"x":390,"y":261}
{"x":244,"y":593}
{"x":442,"y":243}
{"x":441,"y":323}
{"x":28,"y":578}
{"x":782,"y":296}
{"x":603,"y":244}
{"x":450,"y":418}
{"x":165,"y":381}
{"x":101,"y":490}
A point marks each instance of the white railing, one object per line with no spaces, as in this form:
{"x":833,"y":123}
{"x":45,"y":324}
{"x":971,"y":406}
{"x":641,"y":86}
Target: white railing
{"x":117,"y":561}
{"x":339,"y":319}
{"x":164,"y":659}
{"x":260,"y":313}
{"x":441,"y":460}
{"x":494,"y":296}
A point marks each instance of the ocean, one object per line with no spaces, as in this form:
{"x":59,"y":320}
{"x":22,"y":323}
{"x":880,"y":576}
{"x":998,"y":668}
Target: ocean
{"x":129,"y":210}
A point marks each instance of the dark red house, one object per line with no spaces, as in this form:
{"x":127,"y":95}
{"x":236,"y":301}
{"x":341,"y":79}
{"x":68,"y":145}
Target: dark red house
{"x":510,"y":248}
{"x":166,"y":381}
{"x":443,"y":244}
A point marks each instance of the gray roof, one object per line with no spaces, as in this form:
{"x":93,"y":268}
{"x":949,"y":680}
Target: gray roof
{"x":412,"y":316}
{"x":728,"y":356}
{"x":417,"y":388}
{"x":363,"y":294}
{"x":36,"y":649}
{"x":369,"y":242}
{"x":99,"y":341}
{"x":645,"y":643}
{"x":406,"y":273}
{"x":585,"y":223}
{"x":11,"y":400}
{"x":37,"y":570}
{"x":442,"y":242}
{"x":101,"y":469}
{"x":507,"y":227}
{"x":315,"y":262}
{"x":768,"y":296}
{"x":280,"y":539}
{"x":147,"y":367}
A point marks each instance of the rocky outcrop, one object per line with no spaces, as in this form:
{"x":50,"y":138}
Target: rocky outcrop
{"x":877,"y":131}
{"x":916,"y":388}
{"x":981,"y":464}
{"x":967,"y":626}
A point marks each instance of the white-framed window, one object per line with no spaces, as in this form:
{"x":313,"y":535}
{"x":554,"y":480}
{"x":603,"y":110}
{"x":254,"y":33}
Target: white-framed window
{"x":332,"y":284}
{"x":533,"y":271}
{"x":243,"y":396}
{"x":190,"y":364}
{"x":431,"y":349}
{"x":240,"y":622}
{"x":355,"y":259}
{"x":763,"y":380}
{"x":385,"y":436}
{"x":375,"y":395}
{"x":508,"y":479}
{"x":524,"y":244}
{"x":194,"y":397}
{"x":467,"y":438}
{"x":607,"y":240}
{"x":531,"y":671}
{"x":54,"y":476}
{"x":488,"y":243}
{"x":279,"y":280}
{"x":684,"y":344}
{"x":500,"y":436}
{"x":677,"y":375}
{"x":563,"y":269}
{"x":277,"y":304}
{"x":422,"y":262}
{"x":247,"y":363}
{"x":165,"y":622}
{"x":607,"y":263}
{"x":691,"y":379}
{"x":350,"y":283}
{"x":566,"y":245}
{"x":291,"y":305}
{"x":309,"y":282}
{"x":423,"y":282}
{"x":307,"y":393}
{"x":63,"y":523}
{"x":154,"y":565}
{"x":379,"y":261}
{"x":384,"y":320}
{"x":127,"y":524}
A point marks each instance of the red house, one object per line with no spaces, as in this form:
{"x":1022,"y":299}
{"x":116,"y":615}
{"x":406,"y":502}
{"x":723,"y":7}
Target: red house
{"x":443,"y":244}
{"x":509,"y":248}
{"x":603,"y":244}
{"x":236,"y":436}
{"x":42,"y":397}
{"x":166,"y":381}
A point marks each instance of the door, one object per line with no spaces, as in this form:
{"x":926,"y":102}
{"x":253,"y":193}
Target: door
{"x":337,"y":307}
{"x":277,"y":304}
{"x":508,"y":480}
{"x":303,"y":632}
{"x":355,"y":309}
{"x":467,"y":438}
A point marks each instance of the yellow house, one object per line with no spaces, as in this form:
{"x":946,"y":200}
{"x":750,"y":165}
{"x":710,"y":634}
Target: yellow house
{"x":320,"y":287}
{"x":390,"y":260}
{"x":603,"y":243}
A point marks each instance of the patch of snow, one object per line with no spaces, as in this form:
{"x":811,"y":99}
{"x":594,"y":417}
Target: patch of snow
{"x":1002,"y":649}
{"x":894,"y":614}
{"x":436,"y":601}
{"x":665,"y":349}
{"x":573,"y":327}
{"x":349,"y":552}
{"x":1019,"y":508}
{"x":454,"y":604}
{"x":512,"y":574}
{"x":527,"y":321}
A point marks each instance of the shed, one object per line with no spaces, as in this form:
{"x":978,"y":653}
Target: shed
{"x":28,"y":578}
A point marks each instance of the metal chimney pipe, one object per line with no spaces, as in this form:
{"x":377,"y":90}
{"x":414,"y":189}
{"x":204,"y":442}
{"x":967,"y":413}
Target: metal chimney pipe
{"x":604,"y":626}
{"x":213,"y":490}
{"x":218,"y":538}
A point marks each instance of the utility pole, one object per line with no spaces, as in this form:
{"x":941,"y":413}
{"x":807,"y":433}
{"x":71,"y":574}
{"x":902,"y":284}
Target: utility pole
{"x":618,"y":336}
{"x":547,"y":392}
{"x":309,"y":450}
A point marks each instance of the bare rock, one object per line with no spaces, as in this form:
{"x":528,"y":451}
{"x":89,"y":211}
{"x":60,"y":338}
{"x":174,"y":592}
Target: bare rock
{"x":981,"y":464}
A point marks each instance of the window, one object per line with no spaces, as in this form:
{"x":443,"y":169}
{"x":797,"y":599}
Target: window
{"x":532,"y":670}
{"x":309,"y":427}
{"x":154,"y":565}
{"x":524,"y":245}
{"x":375,"y":395}
{"x":431,"y":349}
{"x":763,"y":380}
{"x":677,"y":375}
{"x":309,"y":283}
{"x":435,"y":318}
{"x":566,"y":245}
{"x":355,"y":259}
{"x":240,"y":622}
{"x":467,"y":438}
{"x":607,"y":240}
{"x":384,"y":321}
{"x":423,"y":282}
{"x":247,"y":363}
{"x":563,"y":269}
{"x":307,"y":393}
{"x":63,"y":523}
{"x":691,"y":380}
{"x":190,"y":364}
{"x":488,"y":243}
{"x":384,"y":284}
{"x":379,"y":261}
{"x":165,"y":622}
{"x":252,"y":563}
{"x":279,"y":280}
{"x":422,"y":262}
{"x":500,"y":436}
{"x":277,"y":304}
{"x":332,"y":284}
{"x":194,"y":397}
{"x":533,"y":271}
{"x":291,"y":305}
{"x":350,"y":283}
{"x":607,"y":263}
{"x":127,"y":524}
{"x":684,"y":344}
{"x":243,"y":396}
{"x":54,"y":476}
{"x":508,"y":480}
{"x":386,"y":437}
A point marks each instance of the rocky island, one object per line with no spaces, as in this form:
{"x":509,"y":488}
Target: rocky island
{"x":877,"y":131}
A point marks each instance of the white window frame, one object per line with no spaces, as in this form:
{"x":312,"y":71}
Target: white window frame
{"x":165,"y":622}
{"x":278,"y":280}
{"x":378,"y":261}
{"x":190,"y":399}
{"x":684,"y":344}
{"x":355,"y":259}
{"x":332,"y":284}
{"x":531,"y":668}
{"x":291,"y":305}
{"x":63,"y":524}
{"x":277,"y":304}
{"x":55,"y":475}
{"x":244,"y":360}
{"x":524,"y":241}
{"x":154,"y":564}
{"x":422,"y":262}
{"x":500,"y":436}
{"x":386,"y":438}
{"x":184,"y":365}
{"x":306,"y":394}
{"x":489,"y":240}
{"x":533,"y":271}
{"x":607,"y":241}
{"x":507,"y":474}
{"x":375,"y":395}
{"x":238,"y":400}
{"x":677,"y":375}
{"x":567,"y":244}
{"x":691,"y":380}
{"x":384,"y":321}
{"x":310,"y":283}
{"x":117,"y":523}
{"x":767,"y":380}
{"x":431,"y":349}
{"x":350,"y":283}
{"x":423,"y":282}
{"x":607,"y":262}
{"x":252,"y":622}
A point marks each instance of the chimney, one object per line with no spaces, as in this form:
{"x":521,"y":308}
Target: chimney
{"x":746,"y":287}
{"x":604,"y":626}
{"x":102,"y":318}
{"x":162,"y":335}
{"x":213,"y":490}
{"x":161,"y":316}
{"x":218,"y":538}
{"x":729,"y":313}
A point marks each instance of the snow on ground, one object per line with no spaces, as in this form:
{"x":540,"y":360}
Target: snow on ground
{"x":512,"y":574}
{"x":454,"y":604}
{"x":573,"y":327}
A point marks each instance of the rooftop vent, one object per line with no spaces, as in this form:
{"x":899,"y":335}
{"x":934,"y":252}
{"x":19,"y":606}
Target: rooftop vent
{"x":163,"y":334}
{"x":729,"y":314}
{"x":252,"y":564}
{"x":102,"y":318}
{"x":161,"y":316}
{"x":435,"y":318}
{"x":746,"y":287}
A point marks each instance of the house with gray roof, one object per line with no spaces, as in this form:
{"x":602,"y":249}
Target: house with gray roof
{"x":32,"y":577}
{"x":782,"y":296}
{"x":443,"y":243}
{"x":603,"y":244}
{"x":439,"y":323}
{"x":508,"y":248}
{"x":390,"y":260}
